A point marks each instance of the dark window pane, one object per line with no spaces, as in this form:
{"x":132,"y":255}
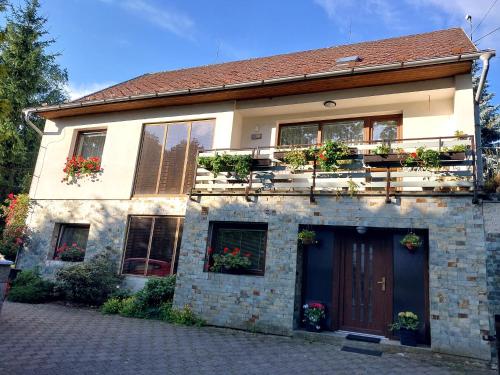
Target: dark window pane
{"x":201,"y":139}
{"x":73,"y":234}
{"x":249,"y":238}
{"x":385,"y":130}
{"x":136,"y":250}
{"x":91,"y":144}
{"x":149,"y":160}
{"x":174,"y":155}
{"x":162,"y":246}
{"x":299,"y":134}
{"x":344,"y":131}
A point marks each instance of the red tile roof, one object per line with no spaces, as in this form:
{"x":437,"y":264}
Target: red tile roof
{"x":442,"y":43}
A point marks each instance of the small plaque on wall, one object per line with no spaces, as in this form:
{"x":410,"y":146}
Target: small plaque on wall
{"x":256,"y":136}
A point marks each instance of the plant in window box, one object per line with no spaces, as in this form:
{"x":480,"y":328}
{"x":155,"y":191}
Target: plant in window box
{"x":314,"y":316}
{"x":307,"y":237}
{"x":78,"y":166}
{"x":411,"y":241}
{"x":423,"y":158}
{"x":407,"y":324}
{"x":382,"y":149}
{"x":238,"y":165}
{"x":331,"y":153}
{"x":72,"y":253}
{"x":295,"y":159}
{"x":230,"y":260}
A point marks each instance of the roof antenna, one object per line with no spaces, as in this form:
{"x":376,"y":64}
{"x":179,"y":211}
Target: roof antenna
{"x":468,"y":18}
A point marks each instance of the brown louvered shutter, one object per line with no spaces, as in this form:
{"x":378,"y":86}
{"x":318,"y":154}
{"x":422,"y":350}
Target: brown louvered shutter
{"x":136,"y":250}
{"x":202,"y":133}
{"x":174,"y":156}
{"x":149,"y":159}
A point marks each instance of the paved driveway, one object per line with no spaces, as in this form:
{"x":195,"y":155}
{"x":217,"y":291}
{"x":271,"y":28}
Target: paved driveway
{"x":53,"y":339}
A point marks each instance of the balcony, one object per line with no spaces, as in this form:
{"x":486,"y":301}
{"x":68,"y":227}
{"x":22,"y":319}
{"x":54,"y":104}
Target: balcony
{"x":398,"y":167}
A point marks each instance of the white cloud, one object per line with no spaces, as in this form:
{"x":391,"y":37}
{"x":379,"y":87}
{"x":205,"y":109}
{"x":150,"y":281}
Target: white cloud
{"x":78,"y":90}
{"x":168,"y":19}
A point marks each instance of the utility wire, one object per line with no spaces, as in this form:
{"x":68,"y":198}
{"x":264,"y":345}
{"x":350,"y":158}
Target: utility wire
{"x":485,"y":15}
{"x":485,"y":35}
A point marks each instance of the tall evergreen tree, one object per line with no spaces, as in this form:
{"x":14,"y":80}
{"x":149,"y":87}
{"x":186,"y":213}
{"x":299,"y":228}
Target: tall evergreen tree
{"x":3,"y":102}
{"x":32,"y":77}
{"x":489,"y":113}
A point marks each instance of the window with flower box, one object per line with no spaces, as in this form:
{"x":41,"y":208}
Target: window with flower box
{"x":152,"y":245}
{"x":71,"y":242}
{"x":237,"y":248}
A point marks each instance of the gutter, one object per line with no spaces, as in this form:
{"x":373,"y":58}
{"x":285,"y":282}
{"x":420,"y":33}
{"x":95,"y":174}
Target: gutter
{"x":485,"y":58}
{"x":26,"y":115}
{"x":343,"y":72}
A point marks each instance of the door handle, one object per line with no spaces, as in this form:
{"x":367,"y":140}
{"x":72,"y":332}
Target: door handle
{"x":382,"y":283}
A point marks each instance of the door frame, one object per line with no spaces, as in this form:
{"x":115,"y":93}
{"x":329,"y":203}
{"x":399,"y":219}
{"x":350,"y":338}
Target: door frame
{"x":339,"y":279}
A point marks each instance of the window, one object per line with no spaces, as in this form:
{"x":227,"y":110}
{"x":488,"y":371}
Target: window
{"x":69,"y":236}
{"x":152,"y":246}
{"x":167,"y":161}
{"x":90,"y":144}
{"x":346,"y":130}
{"x":250,"y":238}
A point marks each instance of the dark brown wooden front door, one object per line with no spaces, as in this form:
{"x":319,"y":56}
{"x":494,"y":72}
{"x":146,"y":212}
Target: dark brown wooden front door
{"x":365,"y":287}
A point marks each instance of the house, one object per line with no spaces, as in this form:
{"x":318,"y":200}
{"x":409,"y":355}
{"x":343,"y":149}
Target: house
{"x":384,"y":104}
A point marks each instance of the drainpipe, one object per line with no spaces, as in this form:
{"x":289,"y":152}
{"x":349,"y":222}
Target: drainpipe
{"x":485,"y":58}
{"x":26,"y":115}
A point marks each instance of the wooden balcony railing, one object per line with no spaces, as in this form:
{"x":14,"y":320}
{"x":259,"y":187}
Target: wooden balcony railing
{"x":364,"y":173}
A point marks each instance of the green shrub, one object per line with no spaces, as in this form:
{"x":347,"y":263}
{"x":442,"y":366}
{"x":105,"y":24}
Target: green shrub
{"x":112,"y":306}
{"x":30,"y":287}
{"x":90,"y":282}
{"x":184,"y":316}
{"x":131,"y":308}
{"x":157,"y":291}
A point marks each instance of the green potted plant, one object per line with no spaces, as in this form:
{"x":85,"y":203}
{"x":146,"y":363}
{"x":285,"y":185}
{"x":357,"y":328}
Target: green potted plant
{"x":238,"y":166}
{"x":230,"y":261}
{"x":314,"y":316}
{"x":329,"y":155}
{"x":407,"y":324}
{"x":307,"y":237}
{"x":411,"y":241}
{"x":295,"y":159}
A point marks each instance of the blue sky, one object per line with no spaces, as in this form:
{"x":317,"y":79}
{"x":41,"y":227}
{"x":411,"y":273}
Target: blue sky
{"x":108,"y":41}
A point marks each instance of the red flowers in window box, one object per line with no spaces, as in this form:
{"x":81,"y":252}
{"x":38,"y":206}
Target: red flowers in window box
{"x":78,"y":166}
{"x":230,"y":260}
{"x":72,"y":253}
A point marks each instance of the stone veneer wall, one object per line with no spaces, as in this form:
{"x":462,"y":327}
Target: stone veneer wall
{"x":491,"y":214}
{"x":457,"y":262}
{"x":108,"y":224}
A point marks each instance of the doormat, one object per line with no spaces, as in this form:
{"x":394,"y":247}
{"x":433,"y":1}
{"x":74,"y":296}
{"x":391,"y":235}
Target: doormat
{"x":375,"y":340}
{"x":350,"y":349}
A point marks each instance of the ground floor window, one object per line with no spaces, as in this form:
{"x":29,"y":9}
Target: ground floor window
{"x":238,"y":248}
{"x":152,"y":245}
{"x":71,"y":242}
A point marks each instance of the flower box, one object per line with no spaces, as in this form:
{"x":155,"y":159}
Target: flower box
{"x":397,"y":159}
{"x":78,"y":166}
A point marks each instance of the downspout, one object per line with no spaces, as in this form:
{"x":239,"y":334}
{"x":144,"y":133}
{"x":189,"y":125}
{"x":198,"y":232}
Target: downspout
{"x":26,"y":115}
{"x":485,"y":58}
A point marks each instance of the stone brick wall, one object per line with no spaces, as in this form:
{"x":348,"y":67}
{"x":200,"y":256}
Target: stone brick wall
{"x":457,"y":262}
{"x":108,"y":225}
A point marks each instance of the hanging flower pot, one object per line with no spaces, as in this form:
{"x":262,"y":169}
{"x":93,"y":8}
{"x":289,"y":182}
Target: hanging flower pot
{"x":411,"y":241}
{"x":307,"y":237}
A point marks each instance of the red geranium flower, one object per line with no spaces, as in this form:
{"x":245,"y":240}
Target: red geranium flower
{"x":413,"y":155}
{"x":226,"y":250}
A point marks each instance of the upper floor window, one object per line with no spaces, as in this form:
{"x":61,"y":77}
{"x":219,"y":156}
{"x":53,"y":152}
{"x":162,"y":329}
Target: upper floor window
{"x":167,"y":160}
{"x":90,"y":143}
{"x":346,"y":130}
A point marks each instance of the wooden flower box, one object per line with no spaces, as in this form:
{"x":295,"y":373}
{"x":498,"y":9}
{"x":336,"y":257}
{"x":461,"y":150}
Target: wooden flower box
{"x":396,"y":160}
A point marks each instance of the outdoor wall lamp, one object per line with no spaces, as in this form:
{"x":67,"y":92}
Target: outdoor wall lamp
{"x":329,"y":104}
{"x":361,"y":230}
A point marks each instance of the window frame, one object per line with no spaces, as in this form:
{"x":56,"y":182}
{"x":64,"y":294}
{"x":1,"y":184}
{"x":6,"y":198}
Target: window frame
{"x":139,"y":152}
{"x":60,"y":230}
{"x":214,"y":225}
{"x":81,"y":133}
{"x":175,"y":253}
{"x":367,"y":129}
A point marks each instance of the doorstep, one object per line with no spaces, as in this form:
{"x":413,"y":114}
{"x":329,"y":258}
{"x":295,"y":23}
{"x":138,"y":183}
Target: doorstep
{"x":388,"y":346}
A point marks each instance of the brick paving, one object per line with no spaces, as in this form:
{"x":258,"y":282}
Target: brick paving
{"x":54,"y":339}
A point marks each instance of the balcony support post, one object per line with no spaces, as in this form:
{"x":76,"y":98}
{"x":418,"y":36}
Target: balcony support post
{"x":388,"y":186}
{"x":312,"y":199}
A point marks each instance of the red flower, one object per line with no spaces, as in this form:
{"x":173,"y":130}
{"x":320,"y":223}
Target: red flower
{"x":226,"y":250}
{"x":248,"y":255}
{"x":10,"y":196}
{"x":323,"y":157}
{"x":210,"y":250}
{"x":413,"y":155}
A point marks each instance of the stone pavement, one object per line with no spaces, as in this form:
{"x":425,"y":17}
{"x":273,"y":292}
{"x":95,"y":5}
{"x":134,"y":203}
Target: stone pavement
{"x":54,"y":339}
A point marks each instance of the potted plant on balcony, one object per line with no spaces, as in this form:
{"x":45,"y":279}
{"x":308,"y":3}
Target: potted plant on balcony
{"x":314,"y":316}
{"x":331,"y":153}
{"x":238,"y":166}
{"x":411,"y":241}
{"x":407,"y":324}
{"x":72,"y":253}
{"x":307,"y":237}
{"x":230,"y":261}
{"x":295,"y":159}
{"x":383,"y":156}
